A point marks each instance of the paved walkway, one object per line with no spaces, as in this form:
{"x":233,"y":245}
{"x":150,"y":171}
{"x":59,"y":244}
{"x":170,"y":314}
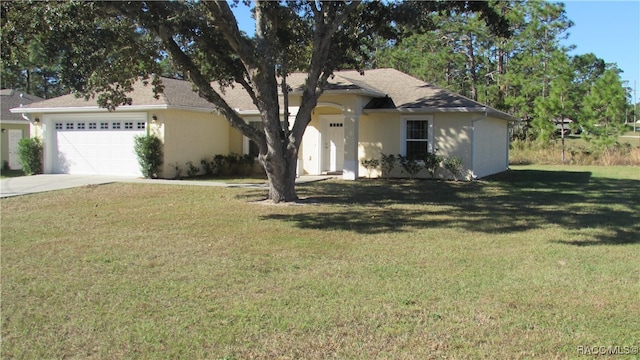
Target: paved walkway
{"x":50,"y":182}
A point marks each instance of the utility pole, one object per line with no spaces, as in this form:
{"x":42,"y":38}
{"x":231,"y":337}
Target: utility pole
{"x":635,"y":106}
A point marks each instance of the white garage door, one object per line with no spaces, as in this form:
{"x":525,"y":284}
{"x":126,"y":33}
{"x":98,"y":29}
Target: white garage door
{"x":97,"y":146}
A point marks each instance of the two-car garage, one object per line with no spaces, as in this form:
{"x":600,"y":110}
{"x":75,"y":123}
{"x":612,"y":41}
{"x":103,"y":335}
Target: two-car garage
{"x":96,"y":144}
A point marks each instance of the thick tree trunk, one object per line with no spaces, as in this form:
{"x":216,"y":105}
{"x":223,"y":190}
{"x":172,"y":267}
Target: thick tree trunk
{"x":472,"y":68}
{"x":281,"y":172}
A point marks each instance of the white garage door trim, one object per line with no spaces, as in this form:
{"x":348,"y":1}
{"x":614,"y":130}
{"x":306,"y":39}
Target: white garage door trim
{"x":93,"y":144}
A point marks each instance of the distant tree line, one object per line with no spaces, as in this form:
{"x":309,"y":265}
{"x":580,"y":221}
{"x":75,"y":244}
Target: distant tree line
{"x":525,"y":71}
{"x":529,"y":74}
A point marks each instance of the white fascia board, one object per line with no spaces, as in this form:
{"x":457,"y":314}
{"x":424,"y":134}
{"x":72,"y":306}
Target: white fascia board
{"x":346,"y":92}
{"x":292,"y":111}
{"x":81,"y":109}
{"x":97,"y":109}
{"x":247,"y":112}
{"x":18,"y":122}
{"x":430,"y":110}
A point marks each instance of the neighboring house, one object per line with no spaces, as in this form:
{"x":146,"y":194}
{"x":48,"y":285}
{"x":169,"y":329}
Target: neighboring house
{"x":565,"y":126}
{"x":357,"y":117}
{"x":14,"y":126}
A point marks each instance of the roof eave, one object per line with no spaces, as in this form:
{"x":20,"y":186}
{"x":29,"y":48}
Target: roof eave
{"x":97,"y":109}
{"x":426,"y":110}
{"x":345,"y":92}
{"x":14,"y":121}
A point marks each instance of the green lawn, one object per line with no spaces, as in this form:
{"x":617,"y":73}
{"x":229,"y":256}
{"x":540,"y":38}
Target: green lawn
{"x":534,"y":263}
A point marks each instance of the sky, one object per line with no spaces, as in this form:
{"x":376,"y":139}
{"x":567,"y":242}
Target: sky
{"x":609,"y":29}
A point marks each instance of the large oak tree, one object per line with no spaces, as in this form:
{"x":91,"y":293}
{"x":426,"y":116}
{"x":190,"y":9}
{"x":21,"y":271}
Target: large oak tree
{"x":103,"y":47}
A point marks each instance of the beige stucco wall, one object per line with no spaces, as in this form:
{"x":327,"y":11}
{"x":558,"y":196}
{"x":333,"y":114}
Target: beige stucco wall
{"x":309,"y":152}
{"x":491,"y":147}
{"x":452,"y":137}
{"x":379,"y":134}
{"x":235,"y":141}
{"x":191,"y":136}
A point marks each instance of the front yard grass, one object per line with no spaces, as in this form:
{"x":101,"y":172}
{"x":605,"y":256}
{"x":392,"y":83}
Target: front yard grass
{"x":533,"y":263}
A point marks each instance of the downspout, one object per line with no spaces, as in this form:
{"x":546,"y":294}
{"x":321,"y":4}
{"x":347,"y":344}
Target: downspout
{"x":473,"y":142}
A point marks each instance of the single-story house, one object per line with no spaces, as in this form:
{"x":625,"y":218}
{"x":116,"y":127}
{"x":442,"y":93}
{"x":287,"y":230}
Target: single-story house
{"x":358,"y":117}
{"x":14,"y":125}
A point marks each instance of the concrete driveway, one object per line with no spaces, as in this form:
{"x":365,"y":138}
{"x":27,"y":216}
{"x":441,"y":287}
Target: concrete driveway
{"x":49,"y":182}
{"x":40,"y":183}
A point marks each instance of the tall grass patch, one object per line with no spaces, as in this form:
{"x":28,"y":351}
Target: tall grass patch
{"x":577,"y":152}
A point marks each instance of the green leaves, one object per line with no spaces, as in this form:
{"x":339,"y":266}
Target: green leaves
{"x":604,"y":109}
{"x":30,"y":155}
{"x":148,"y":149}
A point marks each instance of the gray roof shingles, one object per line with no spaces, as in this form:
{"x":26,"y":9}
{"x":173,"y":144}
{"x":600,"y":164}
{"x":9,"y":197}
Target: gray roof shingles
{"x":403,"y":93}
{"x":10,"y":99}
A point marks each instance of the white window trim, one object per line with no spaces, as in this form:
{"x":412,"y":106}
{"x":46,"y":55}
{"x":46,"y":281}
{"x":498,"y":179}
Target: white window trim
{"x":403,"y":132}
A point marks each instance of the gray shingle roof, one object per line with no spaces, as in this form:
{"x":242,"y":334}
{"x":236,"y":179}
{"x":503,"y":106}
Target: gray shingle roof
{"x":389,"y":89}
{"x":10,"y":99}
{"x":405,"y":93}
{"x":177,"y":93}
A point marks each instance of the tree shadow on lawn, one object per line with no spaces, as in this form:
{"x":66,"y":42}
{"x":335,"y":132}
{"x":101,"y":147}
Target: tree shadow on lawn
{"x":511,"y":202}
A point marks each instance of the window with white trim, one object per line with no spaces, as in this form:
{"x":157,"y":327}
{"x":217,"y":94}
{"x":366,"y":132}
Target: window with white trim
{"x":128,"y":125}
{"x":115,"y":125}
{"x":141,"y":125}
{"x":81,"y":126}
{"x":104,"y":126}
{"x":69,"y":126}
{"x":417,"y":137}
{"x":58,"y":126}
{"x":92,"y":126}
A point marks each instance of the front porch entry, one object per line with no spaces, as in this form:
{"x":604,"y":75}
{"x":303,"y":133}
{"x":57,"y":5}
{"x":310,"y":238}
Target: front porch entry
{"x":332,"y":143}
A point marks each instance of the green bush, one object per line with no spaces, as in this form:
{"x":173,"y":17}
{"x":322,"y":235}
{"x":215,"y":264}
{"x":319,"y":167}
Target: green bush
{"x":370,"y":165}
{"x":192,"y":170}
{"x":30,"y":155}
{"x":410,"y":164}
{"x":148,"y":149}
{"x":454,"y":165}
{"x":177,"y":170}
{"x":219,"y":165}
{"x":245,"y":166}
{"x":207,"y":166}
{"x":432,"y":163}
{"x":388,"y":162}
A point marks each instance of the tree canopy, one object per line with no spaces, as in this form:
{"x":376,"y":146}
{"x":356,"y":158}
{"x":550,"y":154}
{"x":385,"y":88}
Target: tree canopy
{"x":98,"y":49}
{"x":529,"y":74}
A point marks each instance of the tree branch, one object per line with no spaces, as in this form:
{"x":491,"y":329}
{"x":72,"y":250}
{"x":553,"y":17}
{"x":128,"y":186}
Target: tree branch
{"x":204,"y":87}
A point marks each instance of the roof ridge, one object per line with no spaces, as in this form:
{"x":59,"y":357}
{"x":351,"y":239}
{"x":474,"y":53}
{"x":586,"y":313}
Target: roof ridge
{"x":363,"y":84}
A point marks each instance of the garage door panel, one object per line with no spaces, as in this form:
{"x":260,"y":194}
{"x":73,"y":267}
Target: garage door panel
{"x":100,"y":148}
